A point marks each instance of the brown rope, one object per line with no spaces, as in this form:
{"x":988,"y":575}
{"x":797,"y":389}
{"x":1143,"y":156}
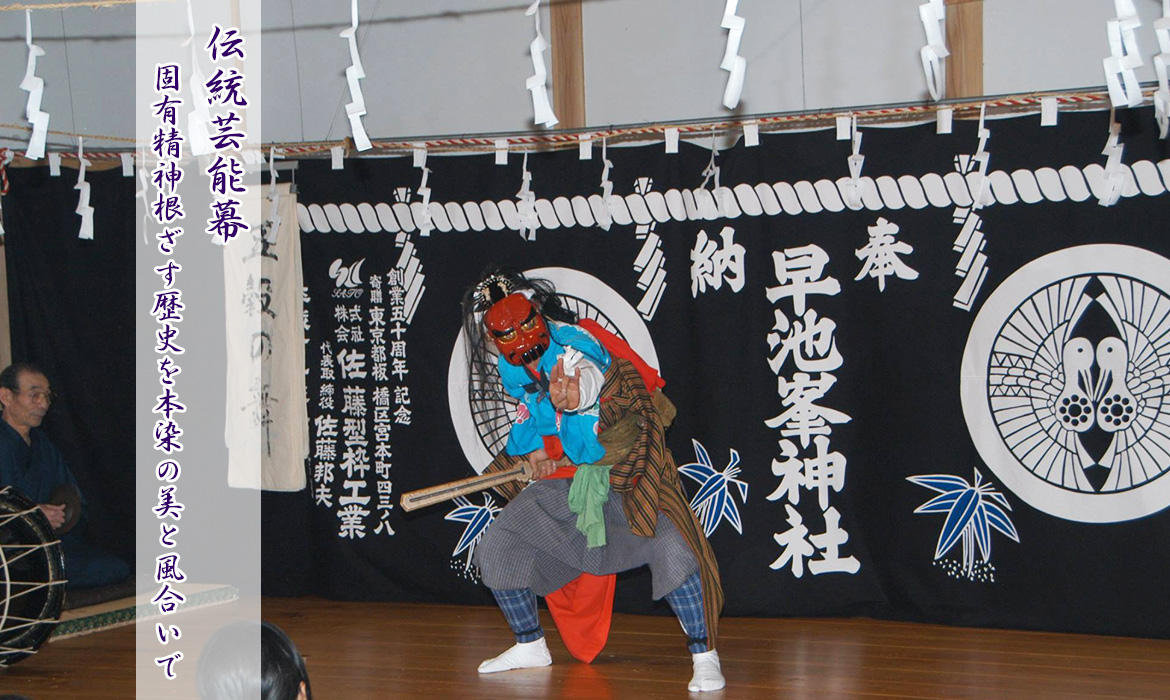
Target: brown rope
{"x":66,"y":5}
{"x":893,"y":114}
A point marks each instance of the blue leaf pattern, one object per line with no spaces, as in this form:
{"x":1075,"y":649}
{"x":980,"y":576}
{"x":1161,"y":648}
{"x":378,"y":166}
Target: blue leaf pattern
{"x":1000,"y":521}
{"x":972,"y":511}
{"x":713,"y":503}
{"x":941,"y":503}
{"x":957,"y":521}
{"x":941,"y":482}
{"x":477,"y":517}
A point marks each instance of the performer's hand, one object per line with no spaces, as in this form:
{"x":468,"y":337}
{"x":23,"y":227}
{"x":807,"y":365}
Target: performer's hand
{"x":539,"y":465}
{"x":564,"y":390}
{"x":55,"y":514}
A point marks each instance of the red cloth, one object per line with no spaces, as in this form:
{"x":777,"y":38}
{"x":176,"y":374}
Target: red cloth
{"x":583,"y":607}
{"x":583,"y":610}
{"x":552,"y":446}
{"x":620,"y":348}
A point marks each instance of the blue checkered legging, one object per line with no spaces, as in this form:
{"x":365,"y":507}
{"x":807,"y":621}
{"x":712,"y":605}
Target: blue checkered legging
{"x":519,"y":608}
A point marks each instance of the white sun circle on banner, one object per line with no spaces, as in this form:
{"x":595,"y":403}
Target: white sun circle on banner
{"x":1065,"y":383}
{"x":482,"y":421}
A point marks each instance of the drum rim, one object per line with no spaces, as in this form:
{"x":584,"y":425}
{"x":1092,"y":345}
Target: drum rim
{"x":36,"y":634}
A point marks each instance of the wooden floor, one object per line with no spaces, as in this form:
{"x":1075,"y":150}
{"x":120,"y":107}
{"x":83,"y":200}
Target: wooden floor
{"x":383,"y":650}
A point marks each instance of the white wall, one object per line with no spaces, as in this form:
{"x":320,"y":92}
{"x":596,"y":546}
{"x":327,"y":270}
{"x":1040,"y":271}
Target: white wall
{"x":459,"y":66}
{"x":88,"y":71}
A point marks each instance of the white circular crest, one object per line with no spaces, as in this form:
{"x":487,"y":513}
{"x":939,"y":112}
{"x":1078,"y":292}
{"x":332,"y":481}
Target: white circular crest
{"x":1066,"y":380}
{"x":482,"y":422}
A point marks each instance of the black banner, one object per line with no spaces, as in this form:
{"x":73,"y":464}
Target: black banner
{"x":932,"y":388}
{"x":71,"y":312}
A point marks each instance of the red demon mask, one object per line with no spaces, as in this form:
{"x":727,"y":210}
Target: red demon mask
{"x":517,"y":328}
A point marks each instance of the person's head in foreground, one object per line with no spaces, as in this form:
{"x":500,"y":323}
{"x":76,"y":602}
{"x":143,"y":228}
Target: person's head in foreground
{"x":250,"y":661}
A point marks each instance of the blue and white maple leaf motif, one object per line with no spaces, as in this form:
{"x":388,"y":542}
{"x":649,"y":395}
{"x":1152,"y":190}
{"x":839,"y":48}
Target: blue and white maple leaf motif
{"x":477,"y":517}
{"x":972,"y":512}
{"x":714,"y":503}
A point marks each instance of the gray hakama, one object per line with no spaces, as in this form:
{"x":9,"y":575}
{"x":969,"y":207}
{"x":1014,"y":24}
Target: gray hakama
{"x":534,"y":543}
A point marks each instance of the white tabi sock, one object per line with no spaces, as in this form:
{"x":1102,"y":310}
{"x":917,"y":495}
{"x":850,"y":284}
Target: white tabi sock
{"x":526,"y":655}
{"x":708,"y":674}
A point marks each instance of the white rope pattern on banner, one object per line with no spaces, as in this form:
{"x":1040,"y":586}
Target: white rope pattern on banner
{"x":765,"y":199}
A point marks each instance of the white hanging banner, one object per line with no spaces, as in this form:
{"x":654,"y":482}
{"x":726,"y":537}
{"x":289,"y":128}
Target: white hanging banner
{"x":1124,"y":88}
{"x":268,"y":439}
{"x":83,"y":208}
{"x":933,"y":15}
{"x":733,"y":63}
{"x":537,"y":84}
{"x":35,"y":87}
{"x":356,"y":109}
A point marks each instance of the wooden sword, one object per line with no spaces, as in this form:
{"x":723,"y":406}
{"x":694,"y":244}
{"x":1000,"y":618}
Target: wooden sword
{"x":413,"y":500}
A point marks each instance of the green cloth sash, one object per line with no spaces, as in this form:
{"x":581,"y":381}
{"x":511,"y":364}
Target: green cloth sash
{"x":587,"y":496}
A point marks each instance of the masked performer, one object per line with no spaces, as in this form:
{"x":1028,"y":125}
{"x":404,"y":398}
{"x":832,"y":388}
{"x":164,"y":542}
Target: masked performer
{"x":605,"y":494}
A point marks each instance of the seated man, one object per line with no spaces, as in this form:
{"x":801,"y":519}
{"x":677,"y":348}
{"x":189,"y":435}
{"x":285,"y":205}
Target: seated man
{"x":31,"y":463}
